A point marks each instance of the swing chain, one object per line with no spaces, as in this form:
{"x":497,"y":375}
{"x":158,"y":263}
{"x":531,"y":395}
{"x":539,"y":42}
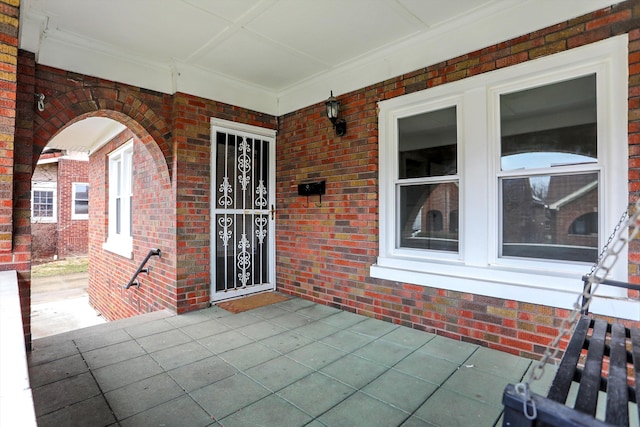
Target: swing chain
{"x":606,"y":260}
{"x":523,"y":389}
{"x":608,"y":243}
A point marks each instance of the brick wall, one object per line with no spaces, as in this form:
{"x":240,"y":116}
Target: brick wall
{"x":172,"y":151}
{"x":67,"y":236}
{"x":192,"y":132}
{"x":71,"y":97}
{"x":324,"y":251}
{"x":9,"y":12}
{"x":15,"y":173}
{"x":73,"y":234}
{"x":178,"y":225}
{"x":152,"y":225}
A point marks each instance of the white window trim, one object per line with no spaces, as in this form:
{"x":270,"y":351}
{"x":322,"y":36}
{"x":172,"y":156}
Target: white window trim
{"x":45,"y":186}
{"x":120,"y":244}
{"x":476,"y":268}
{"x":75,"y":215}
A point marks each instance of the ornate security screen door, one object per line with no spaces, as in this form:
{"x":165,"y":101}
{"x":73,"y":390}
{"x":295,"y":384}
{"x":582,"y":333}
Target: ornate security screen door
{"x":242,"y":219}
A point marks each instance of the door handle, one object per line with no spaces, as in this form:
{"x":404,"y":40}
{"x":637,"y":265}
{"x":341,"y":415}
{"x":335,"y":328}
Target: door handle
{"x":273,"y":212}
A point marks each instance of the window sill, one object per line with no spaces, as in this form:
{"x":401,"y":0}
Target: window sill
{"x":122,"y":248}
{"x":536,"y":287}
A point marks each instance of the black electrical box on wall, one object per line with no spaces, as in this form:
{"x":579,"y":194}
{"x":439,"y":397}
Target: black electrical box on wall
{"x":311,"y":189}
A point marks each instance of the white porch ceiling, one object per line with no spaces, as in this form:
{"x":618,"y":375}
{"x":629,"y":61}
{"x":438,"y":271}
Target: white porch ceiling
{"x":273,"y":56}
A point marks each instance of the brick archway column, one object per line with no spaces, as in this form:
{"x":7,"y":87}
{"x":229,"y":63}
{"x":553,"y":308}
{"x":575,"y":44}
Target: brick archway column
{"x":15,"y":237}
{"x":9,"y":12}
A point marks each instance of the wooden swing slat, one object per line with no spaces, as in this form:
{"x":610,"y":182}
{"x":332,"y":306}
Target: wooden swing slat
{"x":567,"y":370}
{"x":523,"y":408}
{"x":550,"y":413}
{"x":617,"y":389}
{"x":618,"y":345}
{"x":635,"y":351}
{"x":587,"y":399}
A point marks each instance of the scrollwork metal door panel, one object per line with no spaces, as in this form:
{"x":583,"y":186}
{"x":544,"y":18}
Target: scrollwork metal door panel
{"x":242,"y":227}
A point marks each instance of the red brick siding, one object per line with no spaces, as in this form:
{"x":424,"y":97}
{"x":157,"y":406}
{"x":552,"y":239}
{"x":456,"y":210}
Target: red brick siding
{"x":192,"y":133}
{"x":564,"y":218}
{"x":67,"y":237}
{"x":71,"y":97}
{"x":9,"y":13}
{"x":15,"y":171}
{"x":634,"y":135}
{"x":73,"y":234}
{"x":175,"y":131}
{"x":152,"y":225}
{"x":324,"y":251}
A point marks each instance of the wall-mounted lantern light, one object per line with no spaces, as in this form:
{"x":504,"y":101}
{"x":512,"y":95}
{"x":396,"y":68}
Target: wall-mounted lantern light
{"x":333,"y":107}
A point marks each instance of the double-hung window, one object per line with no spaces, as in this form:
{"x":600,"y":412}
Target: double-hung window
{"x":80,"y":200}
{"x":44,"y":202}
{"x":508,"y":183}
{"x":120,"y":225}
{"x":427,"y":180}
{"x":549,"y":173}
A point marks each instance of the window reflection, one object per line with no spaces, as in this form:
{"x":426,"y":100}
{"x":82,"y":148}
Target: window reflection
{"x":549,"y":126}
{"x":552,"y":215}
{"x":429,"y":216}
{"x":555,"y":221}
{"x":428,"y":144}
{"x":427,"y":152}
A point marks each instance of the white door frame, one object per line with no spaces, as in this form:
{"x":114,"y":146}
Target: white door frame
{"x":244,"y":130}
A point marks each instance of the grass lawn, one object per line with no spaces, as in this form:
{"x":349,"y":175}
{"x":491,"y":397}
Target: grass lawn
{"x":58,"y":268}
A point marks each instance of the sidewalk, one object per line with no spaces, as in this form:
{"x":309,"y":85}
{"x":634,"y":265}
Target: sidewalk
{"x":60,"y":304}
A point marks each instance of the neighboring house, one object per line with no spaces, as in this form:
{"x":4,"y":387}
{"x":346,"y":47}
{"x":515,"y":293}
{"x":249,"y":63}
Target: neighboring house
{"x":60,"y":205}
{"x":491,"y":170}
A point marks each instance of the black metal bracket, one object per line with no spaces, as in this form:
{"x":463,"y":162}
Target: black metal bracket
{"x":312,"y":189}
{"x":587,"y":287}
{"x":142,"y":269}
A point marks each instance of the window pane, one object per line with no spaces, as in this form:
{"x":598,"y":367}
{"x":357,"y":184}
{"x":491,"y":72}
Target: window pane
{"x":118,"y":168}
{"x":127,"y":170}
{"x":429,"y":216}
{"x":82,"y":191}
{"x":427,"y":144}
{"x":81,"y":202}
{"x":551,"y":217}
{"x":43,"y":204}
{"x":82,"y":207}
{"x":549,"y":126}
{"x":118,"y":215}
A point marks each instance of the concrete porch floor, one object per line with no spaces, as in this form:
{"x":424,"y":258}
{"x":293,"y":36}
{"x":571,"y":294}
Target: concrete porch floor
{"x":293,"y":363}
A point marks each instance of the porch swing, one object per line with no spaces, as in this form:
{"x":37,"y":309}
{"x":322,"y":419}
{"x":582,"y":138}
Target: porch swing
{"x":598,"y":344}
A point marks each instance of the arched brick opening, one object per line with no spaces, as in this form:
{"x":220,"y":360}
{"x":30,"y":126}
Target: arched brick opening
{"x":108,"y":272}
{"x":173,"y":130}
{"x":120,"y":105}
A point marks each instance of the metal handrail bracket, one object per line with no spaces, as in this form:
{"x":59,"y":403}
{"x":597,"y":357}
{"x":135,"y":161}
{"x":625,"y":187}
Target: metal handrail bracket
{"x":142,"y":269}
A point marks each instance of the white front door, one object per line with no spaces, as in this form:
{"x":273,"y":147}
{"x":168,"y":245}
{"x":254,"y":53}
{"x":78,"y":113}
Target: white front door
{"x":242,"y":209}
